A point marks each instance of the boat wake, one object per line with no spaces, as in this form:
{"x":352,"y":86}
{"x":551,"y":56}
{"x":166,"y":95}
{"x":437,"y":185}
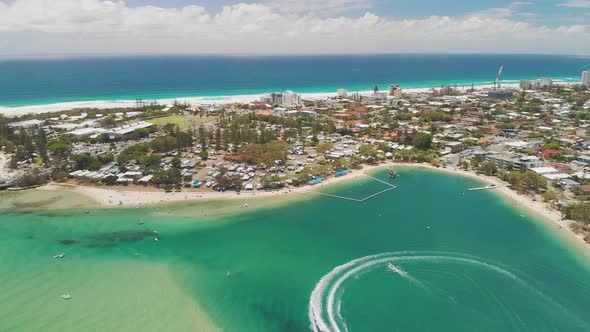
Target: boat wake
{"x":405,"y":275}
{"x":325,"y":302}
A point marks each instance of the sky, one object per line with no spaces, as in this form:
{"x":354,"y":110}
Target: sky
{"x":30,"y":28}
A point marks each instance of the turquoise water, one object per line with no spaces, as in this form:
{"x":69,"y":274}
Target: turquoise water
{"x":39,"y":82}
{"x":467,"y":261}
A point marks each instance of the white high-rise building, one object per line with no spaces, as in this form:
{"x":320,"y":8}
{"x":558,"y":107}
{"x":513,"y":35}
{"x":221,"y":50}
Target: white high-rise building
{"x":526,"y":84}
{"x":291,"y":98}
{"x":395,"y":90}
{"x":586,"y":78}
{"x":342,"y":93}
{"x":545,"y":82}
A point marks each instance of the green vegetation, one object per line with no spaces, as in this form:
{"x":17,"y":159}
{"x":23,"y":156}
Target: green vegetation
{"x":268,"y":154}
{"x":488,"y":168}
{"x":526,"y":182}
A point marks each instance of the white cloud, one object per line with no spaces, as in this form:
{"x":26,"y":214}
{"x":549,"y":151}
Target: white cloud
{"x":520,"y":4}
{"x":329,"y":6}
{"x":112,"y":27}
{"x":576,"y":4}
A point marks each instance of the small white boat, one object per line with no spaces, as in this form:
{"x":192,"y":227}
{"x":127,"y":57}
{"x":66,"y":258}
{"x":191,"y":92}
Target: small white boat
{"x":156,"y":239}
{"x":59,"y":256}
{"x":155,"y":232}
{"x":66,"y":296}
{"x":246,"y":205}
{"x":427,"y":227}
{"x":140,"y":222}
{"x":394,"y":268}
{"x":228,"y":274}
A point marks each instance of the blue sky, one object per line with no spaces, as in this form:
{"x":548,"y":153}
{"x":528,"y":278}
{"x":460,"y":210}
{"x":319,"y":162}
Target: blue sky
{"x":546,"y":12}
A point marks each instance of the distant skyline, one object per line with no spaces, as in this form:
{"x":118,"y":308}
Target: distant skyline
{"x":185,"y":27}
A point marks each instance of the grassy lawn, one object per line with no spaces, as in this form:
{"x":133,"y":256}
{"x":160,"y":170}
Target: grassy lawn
{"x":182,"y":121}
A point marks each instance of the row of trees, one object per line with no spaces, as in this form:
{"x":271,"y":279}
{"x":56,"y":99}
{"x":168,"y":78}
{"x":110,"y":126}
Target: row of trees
{"x":525,"y":182}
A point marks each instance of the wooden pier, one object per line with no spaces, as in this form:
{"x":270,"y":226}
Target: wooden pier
{"x":391,"y":187}
{"x":492,"y":186}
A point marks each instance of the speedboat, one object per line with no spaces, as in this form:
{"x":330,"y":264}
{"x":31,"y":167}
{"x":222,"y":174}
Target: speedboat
{"x":66,"y":296}
{"x":394,"y":268}
{"x":59,"y":256}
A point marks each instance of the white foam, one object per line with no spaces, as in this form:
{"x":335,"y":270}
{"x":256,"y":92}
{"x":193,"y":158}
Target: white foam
{"x":193,"y":100}
{"x":333,"y":281}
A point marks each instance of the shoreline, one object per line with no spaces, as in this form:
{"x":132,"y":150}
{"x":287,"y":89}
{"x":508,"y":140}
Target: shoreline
{"x":537,"y":208}
{"x":115,"y":197}
{"x":216,"y":99}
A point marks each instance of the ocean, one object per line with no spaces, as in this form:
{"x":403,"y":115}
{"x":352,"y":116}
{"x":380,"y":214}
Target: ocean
{"x":111,"y":81}
{"x":462,"y":261}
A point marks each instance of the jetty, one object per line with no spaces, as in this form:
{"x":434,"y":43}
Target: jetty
{"x":361,"y":200}
{"x":492,"y":186}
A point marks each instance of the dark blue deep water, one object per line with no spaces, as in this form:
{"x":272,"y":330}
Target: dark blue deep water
{"x":35,"y":82}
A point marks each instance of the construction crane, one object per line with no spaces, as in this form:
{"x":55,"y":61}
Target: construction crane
{"x":498,"y":77}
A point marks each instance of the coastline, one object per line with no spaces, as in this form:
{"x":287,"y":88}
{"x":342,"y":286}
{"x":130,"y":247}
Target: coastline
{"x":113,"y":198}
{"x":213,"y":99}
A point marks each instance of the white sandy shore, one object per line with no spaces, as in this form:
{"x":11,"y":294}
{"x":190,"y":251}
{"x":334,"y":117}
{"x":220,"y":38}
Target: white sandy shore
{"x":112,"y":197}
{"x":230,"y":99}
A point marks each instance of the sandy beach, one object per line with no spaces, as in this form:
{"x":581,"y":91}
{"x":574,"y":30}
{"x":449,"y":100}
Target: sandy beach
{"x":194,"y":100}
{"x":146,"y":196}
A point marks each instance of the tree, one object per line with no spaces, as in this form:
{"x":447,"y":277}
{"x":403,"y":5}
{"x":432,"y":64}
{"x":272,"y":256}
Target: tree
{"x":526,"y":182}
{"x":270,"y":181}
{"x":324,"y":147}
{"x":31,"y":178}
{"x":488,"y":168}
{"x":82,"y":160}
{"x":204,"y":155}
{"x":578,"y":212}
{"x":218,"y":139}
{"x":175,"y":162}
{"x":108,"y":121}
{"x":184,"y":139}
{"x":169,"y":128}
{"x":163,"y":144}
{"x":368,"y":151}
{"x":110,"y":180}
{"x":423,"y":141}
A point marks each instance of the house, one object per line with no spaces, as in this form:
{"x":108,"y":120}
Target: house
{"x":568,"y":184}
{"x":585,"y":189}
